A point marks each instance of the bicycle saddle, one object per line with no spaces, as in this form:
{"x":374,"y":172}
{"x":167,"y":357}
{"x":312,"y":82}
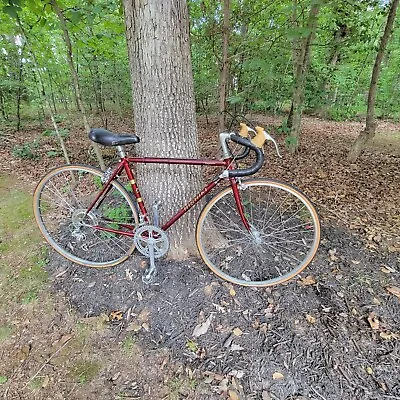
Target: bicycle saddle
{"x":107,"y":138}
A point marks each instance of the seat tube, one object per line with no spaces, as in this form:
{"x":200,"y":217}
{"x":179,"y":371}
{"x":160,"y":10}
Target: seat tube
{"x":239,"y":204}
{"x":135,"y":190}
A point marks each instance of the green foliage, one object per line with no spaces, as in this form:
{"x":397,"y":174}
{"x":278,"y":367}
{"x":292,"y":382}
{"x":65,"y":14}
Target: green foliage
{"x":260,"y":57}
{"x":51,"y":133}
{"x":3,"y":379}
{"x":27,"y":150}
{"x":53,"y":153}
{"x":128,"y":344}
{"x":85,"y":371}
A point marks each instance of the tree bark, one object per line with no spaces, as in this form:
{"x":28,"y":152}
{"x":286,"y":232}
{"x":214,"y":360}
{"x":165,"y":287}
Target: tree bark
{"x":224,"y":76}
{"x":19,"y":91}
{"x":301,"y":60}
{"x":370,"y":125}
{"x":164,"y":109}
{"x":75,"y":79}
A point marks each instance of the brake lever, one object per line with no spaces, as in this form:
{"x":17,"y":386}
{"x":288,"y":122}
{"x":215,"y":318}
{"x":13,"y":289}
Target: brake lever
{"x":262,"y":137}
{"x":269,"y":137}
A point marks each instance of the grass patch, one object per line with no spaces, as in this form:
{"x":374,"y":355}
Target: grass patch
{"x":128,"y":344}
{"x":181,"y":387}
{"x":5,"y":332}
{"x":85,"y":371}
{"x":22,"y":256}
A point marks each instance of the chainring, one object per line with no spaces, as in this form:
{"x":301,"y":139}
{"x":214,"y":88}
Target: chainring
{"x":147,"y":234}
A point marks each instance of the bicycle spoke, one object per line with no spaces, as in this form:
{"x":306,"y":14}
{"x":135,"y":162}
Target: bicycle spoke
{"x":282,"y":240}
{"x":61,"y":210}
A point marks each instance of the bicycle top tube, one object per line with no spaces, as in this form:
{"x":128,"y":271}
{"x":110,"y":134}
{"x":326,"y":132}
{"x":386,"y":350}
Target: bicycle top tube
{"x":108,"y":138}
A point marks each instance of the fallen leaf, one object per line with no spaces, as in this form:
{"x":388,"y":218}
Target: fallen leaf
{"x":394,"y":290}
{"x":236,"y":347}
{"x":332,"y":255}
{"x":115,"y":316}
{"x":201,"y":329}
{"x":265,"y":396}
{"x":146,"y":326}
{"x":223,"y":386}
{"x":369,"y":370}
{"x":237,"y":332}
{"x":388,"y":335}
{"x":232,"y":292}
{"x":133,"y":327}
{"x":233,"y":395}
{"x":144,"y":315}
{"x":277,"y":375}
{"x":373,"y":321}
{"x":45,"y":382}
{"x":308,"y":280}
{"x":219,"y":308}
{"x":311,"y":319}
{"x":192,"y":346}
{"x":237,"y":374}
{"x":386,"y":270}
{"x":128,"y":275}
{"x":209,"y":289}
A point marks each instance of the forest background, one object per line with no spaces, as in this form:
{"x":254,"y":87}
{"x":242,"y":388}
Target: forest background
{"x":332,"y":333}
{"x":258,"y":67}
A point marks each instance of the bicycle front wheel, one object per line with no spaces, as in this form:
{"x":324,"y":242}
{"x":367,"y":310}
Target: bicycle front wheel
{"x":61,"y":200}
{"x":282,"y":240}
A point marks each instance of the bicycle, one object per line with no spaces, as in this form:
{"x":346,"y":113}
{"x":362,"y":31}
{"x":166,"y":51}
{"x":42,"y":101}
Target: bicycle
{"x":255,"y":232}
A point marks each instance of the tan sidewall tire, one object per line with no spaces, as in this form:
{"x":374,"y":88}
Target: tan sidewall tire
{"x":274,"y":183}
{"x":46,"y":235}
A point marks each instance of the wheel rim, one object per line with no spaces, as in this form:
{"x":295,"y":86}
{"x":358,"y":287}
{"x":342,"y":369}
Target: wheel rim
{"x":61,"y":200}
{"x":283,"y":237}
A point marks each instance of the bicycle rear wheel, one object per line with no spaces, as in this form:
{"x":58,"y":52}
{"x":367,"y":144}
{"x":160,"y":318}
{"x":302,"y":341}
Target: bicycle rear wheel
{"x":283,"y":238}
{"x":60,"y":205}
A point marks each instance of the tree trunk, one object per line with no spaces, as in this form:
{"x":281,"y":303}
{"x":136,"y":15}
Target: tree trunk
{"x":45,"y":97}
{"x":164,"y":108}
{"x":3,"y":107}
{"x":76,"y":80}
{"x":224,"y":76}
{"x":370,"y":125}
{"x":301,"y":60}
{"x":53,"y":100}
{"x":19,"y":91}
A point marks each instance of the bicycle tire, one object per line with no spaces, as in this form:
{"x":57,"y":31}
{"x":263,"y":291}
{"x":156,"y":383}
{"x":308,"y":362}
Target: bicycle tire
{"x":60,"y":201}
{"x":258,"y":257}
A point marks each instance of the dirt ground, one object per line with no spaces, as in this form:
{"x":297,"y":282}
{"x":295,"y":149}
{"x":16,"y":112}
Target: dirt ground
{"x":331,"y":333}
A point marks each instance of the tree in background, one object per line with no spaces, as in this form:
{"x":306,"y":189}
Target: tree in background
{"x":75,"y":79}
{"x":370,"y":125}
{"x":164,"y":108}
{"x":301,"y":49}
{"x":224,"y":76}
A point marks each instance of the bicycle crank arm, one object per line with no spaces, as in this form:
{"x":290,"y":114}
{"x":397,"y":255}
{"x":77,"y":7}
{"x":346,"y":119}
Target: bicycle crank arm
{"x":150,"y":273}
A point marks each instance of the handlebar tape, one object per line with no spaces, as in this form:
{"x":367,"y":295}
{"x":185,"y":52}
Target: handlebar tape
{"x":238,"y":173}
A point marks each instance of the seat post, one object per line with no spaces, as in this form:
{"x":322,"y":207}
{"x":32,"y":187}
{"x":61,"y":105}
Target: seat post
{"x":120,"y":151}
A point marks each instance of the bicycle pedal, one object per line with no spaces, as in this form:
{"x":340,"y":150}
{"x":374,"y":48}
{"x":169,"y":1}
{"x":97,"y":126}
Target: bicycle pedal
{"x":148,"y":277}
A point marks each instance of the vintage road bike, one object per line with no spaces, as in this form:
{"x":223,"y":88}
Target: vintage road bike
{"x":254,"y":232}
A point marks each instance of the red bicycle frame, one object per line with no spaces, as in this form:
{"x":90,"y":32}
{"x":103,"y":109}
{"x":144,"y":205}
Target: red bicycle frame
{"x":125,"y":165}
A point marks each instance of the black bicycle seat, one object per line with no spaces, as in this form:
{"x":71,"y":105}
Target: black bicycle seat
{"x":107,"y":138}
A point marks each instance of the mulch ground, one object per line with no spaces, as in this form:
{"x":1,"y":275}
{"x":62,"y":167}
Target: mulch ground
{"x":331,"y":333}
